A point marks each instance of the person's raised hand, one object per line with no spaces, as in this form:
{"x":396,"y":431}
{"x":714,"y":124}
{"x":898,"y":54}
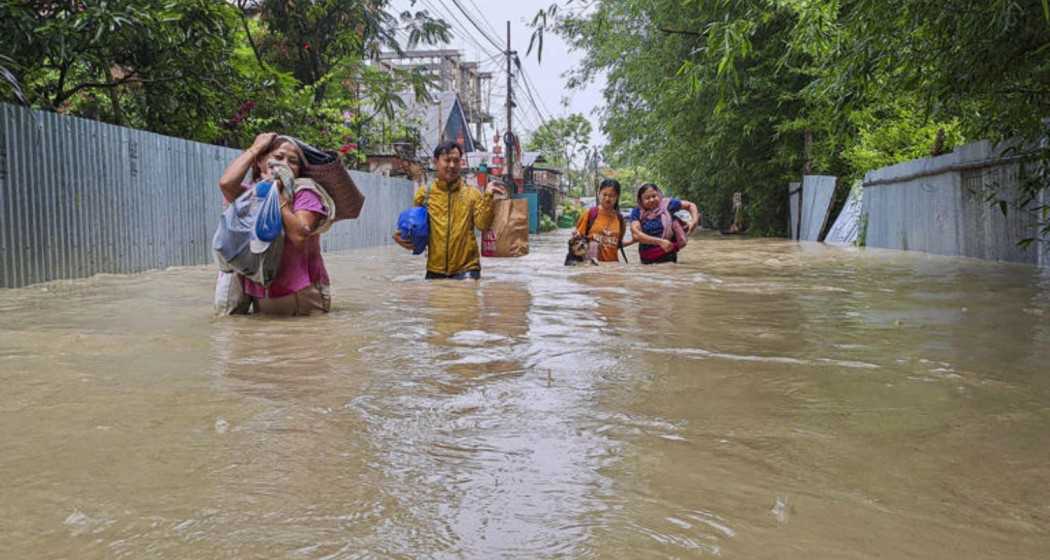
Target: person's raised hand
{"x":496,"y":188}
{"x":263,"y":141}
{"x":402,"y":242}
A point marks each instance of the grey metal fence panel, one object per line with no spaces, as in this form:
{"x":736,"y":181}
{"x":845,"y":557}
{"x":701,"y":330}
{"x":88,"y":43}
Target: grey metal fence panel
{"x":846,"y":227}
{"x":948,"y":205}
{"x":78,"y":197}
{"x":817,"y":194}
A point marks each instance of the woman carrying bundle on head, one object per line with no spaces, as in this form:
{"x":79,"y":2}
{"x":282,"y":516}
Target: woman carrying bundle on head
{"x":659,"y":234}
{"x":301,"y":285}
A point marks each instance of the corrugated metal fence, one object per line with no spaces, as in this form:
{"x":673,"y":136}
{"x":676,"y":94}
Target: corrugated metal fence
{"x":78,"y":197}
{"x":943,"y":205}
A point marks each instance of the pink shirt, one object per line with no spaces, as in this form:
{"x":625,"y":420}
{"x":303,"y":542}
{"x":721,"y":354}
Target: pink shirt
{"x":300,"y":266}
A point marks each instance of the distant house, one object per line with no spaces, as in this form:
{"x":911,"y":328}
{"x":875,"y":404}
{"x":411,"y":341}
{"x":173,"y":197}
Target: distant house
{"x":546,"y":182}
{"x":441,"y":119}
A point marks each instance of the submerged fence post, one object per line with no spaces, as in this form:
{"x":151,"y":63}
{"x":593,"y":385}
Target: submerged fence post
{"x":794,"y":209}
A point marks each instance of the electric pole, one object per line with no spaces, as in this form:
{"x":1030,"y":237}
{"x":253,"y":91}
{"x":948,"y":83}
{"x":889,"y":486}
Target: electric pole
{"x":509,"y":136}
{"x":594,"y":165}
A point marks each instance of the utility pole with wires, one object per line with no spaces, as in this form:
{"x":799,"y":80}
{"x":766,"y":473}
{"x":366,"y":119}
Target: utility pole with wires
{"x":508,"y":138}
{"x":595,"y":155}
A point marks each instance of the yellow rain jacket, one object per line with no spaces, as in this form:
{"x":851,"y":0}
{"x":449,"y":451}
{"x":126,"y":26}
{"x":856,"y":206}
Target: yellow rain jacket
{"x":455,"y":211}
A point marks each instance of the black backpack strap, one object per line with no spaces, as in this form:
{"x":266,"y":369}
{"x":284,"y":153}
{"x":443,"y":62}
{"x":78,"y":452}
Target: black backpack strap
{"x":623,"y":232}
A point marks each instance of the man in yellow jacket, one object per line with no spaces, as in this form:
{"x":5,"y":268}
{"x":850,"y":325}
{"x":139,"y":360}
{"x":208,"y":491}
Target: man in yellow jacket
{"x":455,"y":210}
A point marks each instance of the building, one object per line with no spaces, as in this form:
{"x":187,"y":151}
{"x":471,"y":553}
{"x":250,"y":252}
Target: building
{"x":439,"y":119}
{"x":450,"y":73}
{"x":456,"y":111}
{"x":546,"y":182}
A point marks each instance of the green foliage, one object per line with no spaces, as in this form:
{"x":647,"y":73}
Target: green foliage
{"x":885,"y":138}
{"x":161,"y":66}
{"x":562,"y":140}
{"x":568,"y":214}
{"x":631,"y":177}
{"x":725,"y":96}
{"x":217,"y":71}
{"x":564,"y":143}
{"x":546,"y":223}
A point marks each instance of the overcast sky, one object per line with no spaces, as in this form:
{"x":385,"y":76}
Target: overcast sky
{"x":546,"y":77}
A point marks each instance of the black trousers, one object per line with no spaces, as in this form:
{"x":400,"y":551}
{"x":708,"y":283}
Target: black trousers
{"x":468,"y":275}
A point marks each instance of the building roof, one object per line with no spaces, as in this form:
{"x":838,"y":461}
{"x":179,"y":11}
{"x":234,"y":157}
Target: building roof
{"x":531,"y":158}
{"x":436,"y":119}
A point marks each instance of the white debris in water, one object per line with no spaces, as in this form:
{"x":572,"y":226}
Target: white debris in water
{"x":81,"y":523}
{"x":714,"y":521}
{"x":475,"y":338}
{"x":221,"y":425}
{"x":679,"y":522}
{"x":779,"y":510}
{"x":700,"y":277}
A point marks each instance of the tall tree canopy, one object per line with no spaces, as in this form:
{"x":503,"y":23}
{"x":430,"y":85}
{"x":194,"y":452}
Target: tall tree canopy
{"x":733,"y":95}
{"x":214,"y":71}
{"x":564,"y":143}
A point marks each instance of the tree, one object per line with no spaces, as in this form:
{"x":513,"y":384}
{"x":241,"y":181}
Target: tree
{"x":162,"y":67}
{"x":564,"y":142}
{"x":316,"y":39}
{"x":313,"y":65}
{"x":725,"y":96}
{"x":216,"y":71}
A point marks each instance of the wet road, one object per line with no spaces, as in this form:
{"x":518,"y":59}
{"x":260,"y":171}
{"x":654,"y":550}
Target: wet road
{"x":761,"y":399}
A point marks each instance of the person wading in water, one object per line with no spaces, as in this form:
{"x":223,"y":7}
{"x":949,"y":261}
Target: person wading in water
{"x":456,"y":210}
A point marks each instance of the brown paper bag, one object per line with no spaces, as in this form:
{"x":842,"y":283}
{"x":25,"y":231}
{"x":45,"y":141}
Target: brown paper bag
{"x":509,"y":234}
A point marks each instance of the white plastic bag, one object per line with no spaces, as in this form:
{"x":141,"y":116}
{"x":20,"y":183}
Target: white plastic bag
{"x":230,"y":298}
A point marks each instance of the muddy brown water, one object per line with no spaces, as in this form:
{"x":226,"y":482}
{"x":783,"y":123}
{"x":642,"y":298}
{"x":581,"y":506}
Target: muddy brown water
{"x":761,"y":399}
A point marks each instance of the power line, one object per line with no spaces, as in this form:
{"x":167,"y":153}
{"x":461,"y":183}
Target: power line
{"x":529,"y":90}
{"x":532,"y":86}
{"x":475,"y":24}
{"x":481,"y":12}
{"x":532,"y":101}
{"x":536,"y":120}
{"x":459,"y":29}
{"x":523,"y":125}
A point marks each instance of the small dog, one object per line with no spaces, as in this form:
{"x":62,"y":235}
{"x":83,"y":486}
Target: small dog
{"x":580,"y":251}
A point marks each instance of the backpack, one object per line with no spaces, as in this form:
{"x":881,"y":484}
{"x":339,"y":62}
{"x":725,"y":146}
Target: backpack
{"x":592,"y":214}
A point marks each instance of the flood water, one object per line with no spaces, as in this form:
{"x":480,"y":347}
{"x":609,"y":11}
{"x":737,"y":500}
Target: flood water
{"x":762,"y":399}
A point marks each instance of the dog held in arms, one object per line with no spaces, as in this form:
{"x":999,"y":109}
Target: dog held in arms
{"x":581,"y":251}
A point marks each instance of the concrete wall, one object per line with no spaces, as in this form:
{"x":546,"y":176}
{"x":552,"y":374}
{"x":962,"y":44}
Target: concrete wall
{"x":78,"y":197}
{"x":940,"y":205}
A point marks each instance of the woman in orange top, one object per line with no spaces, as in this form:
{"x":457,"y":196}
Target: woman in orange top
{"x":603,"y":226}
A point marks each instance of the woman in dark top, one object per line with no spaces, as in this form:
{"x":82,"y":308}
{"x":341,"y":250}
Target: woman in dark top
{"x":660,"y":235}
